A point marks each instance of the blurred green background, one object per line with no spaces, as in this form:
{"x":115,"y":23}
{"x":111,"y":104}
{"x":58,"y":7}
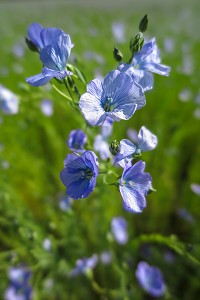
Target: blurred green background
{"x":33,"y":147}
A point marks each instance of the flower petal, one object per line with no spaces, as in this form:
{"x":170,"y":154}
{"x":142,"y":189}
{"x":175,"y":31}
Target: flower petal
{"x":91,"y":109}
{"x":138,"y":167}
{"x":81,"y":188}
{"x":34,"y":31}
{"x":52,"y":58}
{"x":94,"y":87}
{"x":157,"y":68}
{"x":39,"y":79}
{"x":133,"y":201}
{"x":56,"y":74}
{"x":146,"y":139}
{"x":124,"y":157}
{"x":50,"y":36}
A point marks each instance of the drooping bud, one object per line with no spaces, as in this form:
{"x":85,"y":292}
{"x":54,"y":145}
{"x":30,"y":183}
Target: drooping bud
{"x":136,"y":43}
{"x":114,"y":147}
{"x":117,"y":54}
{"x":30,"y":45}
{"x":143,"y":24}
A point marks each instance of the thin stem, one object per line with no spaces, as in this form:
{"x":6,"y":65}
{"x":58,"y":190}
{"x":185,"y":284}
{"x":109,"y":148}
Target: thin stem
{"x":66,"y":85}
{"x":61,"y":93}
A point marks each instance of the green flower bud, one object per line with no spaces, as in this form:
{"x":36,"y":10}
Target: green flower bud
{"x":136,"y":43}
{"x":151,"y":190}
{"x":114,"y":147}
{"x":143,"y":24}
{"x":117,"y":54}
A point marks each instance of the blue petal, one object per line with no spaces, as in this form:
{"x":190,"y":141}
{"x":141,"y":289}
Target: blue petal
{"x":146,"y":81}
{"x":146,"y":140}
{"x":81,"y":188}
{"x":143,"y":78}
{"x":50,"y":36}
{"x":109,"y":85}
{"x":91,"y":161}
{"x":135,"y":169}
{"x":39,"y":80}
{"x":135,"y":177}
{"x":56,"y":74}
{"x":70,"y":157}
{"x":133,"y":201}
{"x":124,"y":157}
{"x":52,"y":58}
{"x":78,"y":189}
{"x":130,"y":98}
{"x":33,"y":33}
{"x":92,"y":110}
{"x":157,"y":68}
{"x":95,"y":88}
{"x":146,"y":52}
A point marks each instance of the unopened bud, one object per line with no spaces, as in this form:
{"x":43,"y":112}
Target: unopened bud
{"x":143,"y":24}
{"x":151,"y":190}
{"x":114,"y":147}
{"x":117,"y":54}
{"x":136,"y":43}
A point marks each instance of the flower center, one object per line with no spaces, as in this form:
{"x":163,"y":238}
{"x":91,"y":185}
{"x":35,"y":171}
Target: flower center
{"x":87,"y":173}
{"x":108,"y":105}
{"x":127,"y":183}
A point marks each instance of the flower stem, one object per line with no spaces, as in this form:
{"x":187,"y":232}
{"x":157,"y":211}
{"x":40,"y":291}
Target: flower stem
{"x":61,"y":93}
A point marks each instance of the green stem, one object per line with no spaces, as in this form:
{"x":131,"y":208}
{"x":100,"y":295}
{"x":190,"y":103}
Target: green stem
{"x":67,"y":87}
{"x":61,"y":93}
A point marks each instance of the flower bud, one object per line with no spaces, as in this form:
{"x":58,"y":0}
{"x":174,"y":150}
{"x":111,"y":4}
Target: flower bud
{"x":136,"y":43}
{"x":143,"y":24}
{"x":114,"y":147}
{"x":151,"y":190}
{"x":117,"y":54}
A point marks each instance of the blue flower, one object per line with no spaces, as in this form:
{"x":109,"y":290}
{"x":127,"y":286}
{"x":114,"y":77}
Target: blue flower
{"x":150,"y":278}
{"x":65,"y":202}
{"x":146,"y":141}
{"x":54,"y":47}
{"x":83,"y":265}
{"x":76,"y":140}
{"x":101,"y":140}
{"x":46,"y":107}
{"x":19,"y":285}
{"x":79,"y":174}
{"x":118,"y":97}
{"x":9,"y":102}
{"x":102,"y":147}
{"x":119,"y":230}
{"x":134,"y":186}
{"x":125,"y":155}
{"x":41,"y":37}
{"x":144,"y":63}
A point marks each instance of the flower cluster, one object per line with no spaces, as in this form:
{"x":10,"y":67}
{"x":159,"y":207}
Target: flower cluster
{"x":20,"y":288}
{"x":117,"y":97}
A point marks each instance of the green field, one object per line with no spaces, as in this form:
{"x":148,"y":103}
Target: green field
{"x":33,"y":148}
